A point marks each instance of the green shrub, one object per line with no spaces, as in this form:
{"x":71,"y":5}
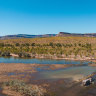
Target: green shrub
{"x":17,"y":44}
{"x":20,"y":54}
{"x":33,"y":44}
{"x":5,"y":54}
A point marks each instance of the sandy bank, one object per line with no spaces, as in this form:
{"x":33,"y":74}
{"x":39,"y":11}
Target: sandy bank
{"x":54,"y":57}
{"x":93,"y":65}
{"x":9,"y":92}
{"x":10,"y":67}
{"x":16,"y":67}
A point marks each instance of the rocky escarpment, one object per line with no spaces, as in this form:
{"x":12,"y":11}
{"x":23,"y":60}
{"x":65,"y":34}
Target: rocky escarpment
{"x":61,"y":34}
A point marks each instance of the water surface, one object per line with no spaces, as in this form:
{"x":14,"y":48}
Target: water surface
{"x":39,"y":61}
{"x":73,"y":73}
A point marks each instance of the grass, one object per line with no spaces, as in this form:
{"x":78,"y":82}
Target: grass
{"x":51,"y":39}
{"x":58,"y":46}
{"x":24,"y":89}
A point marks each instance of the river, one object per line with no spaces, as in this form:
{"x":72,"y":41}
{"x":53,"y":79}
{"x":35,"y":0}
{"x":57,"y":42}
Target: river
{"x":39,"y":61}
{"x":73,"y":73}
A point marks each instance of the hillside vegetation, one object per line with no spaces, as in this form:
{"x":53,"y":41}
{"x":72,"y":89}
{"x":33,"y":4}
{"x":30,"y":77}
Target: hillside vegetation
{"x":50,"y":47}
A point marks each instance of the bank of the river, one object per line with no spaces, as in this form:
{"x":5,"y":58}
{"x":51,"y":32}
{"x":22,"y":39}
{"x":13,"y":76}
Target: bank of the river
{"x":54,"y":57}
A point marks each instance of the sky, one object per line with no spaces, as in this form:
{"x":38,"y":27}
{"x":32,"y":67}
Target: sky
{"x":47,"y":16}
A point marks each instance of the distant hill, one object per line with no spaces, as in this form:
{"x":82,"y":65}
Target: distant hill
{"x":76,"y":34}
{"x":25,"y":36}
{"x":60,"y":34}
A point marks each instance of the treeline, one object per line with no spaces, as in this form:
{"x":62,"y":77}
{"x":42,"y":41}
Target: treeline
{"x":49,"y":44}
{"x":53,"y":44}
{"x":57,"y":49}
{"x":4,"y":53}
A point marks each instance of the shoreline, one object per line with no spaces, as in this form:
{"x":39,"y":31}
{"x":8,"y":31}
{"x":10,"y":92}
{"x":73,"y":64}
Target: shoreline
{"x":56,"y":58}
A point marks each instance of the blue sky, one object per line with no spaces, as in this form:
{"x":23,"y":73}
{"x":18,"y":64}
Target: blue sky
{"x":47,"y":16}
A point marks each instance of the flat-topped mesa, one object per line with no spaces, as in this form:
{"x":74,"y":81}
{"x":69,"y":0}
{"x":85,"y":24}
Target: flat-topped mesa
{"x":64,"y":33}
{"x":69,"y":34}
{"x":61,"y":34}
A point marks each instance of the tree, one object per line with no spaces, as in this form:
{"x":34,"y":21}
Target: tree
{"x":58,"y":45}
{"x":50,"y":44}
{"x":33,"y":44}
{"x":27,"y":44}
{"x":17,"y":44}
